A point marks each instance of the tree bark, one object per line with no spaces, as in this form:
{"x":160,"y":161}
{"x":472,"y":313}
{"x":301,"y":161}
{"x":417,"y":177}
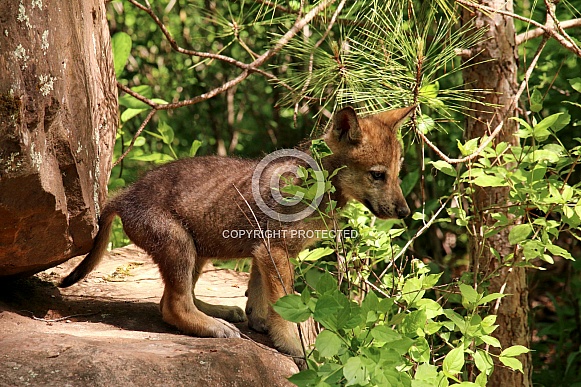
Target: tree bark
{"x":497,"y":72}
{"x":58,"y":117}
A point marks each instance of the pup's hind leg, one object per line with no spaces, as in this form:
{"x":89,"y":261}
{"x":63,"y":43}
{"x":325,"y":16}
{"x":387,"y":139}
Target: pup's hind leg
{"x":229,"y":313}
{"x":172,"y":248}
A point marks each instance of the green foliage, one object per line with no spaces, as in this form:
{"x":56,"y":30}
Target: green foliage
{"x":393,"y":333}
{"x":386,"y":340}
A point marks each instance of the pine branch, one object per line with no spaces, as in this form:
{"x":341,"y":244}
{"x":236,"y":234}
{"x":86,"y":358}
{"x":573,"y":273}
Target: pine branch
{"x":248,"y":68}
{"x":549,"y":28}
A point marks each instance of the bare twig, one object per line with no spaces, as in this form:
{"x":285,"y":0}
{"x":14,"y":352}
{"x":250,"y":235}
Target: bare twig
{"x":59,"y":319}
{"x":417,"y":234}
{"x":551,"y":6}
{"x":470,"y":157}
{"x":141,"y":127}
{"x":535,"y":33}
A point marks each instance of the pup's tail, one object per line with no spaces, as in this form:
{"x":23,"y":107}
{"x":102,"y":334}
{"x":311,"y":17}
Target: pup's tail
{"x":99,"y":247}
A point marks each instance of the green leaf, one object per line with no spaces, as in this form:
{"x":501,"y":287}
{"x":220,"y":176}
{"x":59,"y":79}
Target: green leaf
{"x":541,"y":130}
{"x":430,"y":91}
{"x":453,"y":362}
{"x":431,"y":307}
{"x":412,"y":290}
{"x":515,"y":350}
{"x":519,"y":233}
{"x":541,"y":154}
{"x":490,"y":181}
{"x":320,"y":149}
{"x":328,"y":343}
{"x":292,"y":308}
{"x":425,"y":123}
{"x":490,"y":340}
{"x":385,"y":334}
{"x":563,"y":120}
{"x":129,"y":113}
{"x":327,"y":310}
{"x":305,"y":378}
{"x":326,"y":284}
{"x":385,"y":305}
{"x":536,"y":101}
{"x":445,"y":167}
{"x":575,"y":84}
{"x":469,"y":147}
{"x":409,"y":181}
{"x":167,"y":134}
{"x":355,"y":371}
{"x":155,"y":156}
{"x":314,"y":254}
{"x":426,"y":372}
{"x":456,"y":318}
{"x":129,"y":101}
{"x":194,"y":148}
{"x":139,"y":141}
{"x":468,"y":293}
{"x":490,"y":297}
{"x":420,"y":351}
{"x":481,"y":380}
{"x":556,"y":250}
{"x":483,"y":361}
{"x":121,"y":47}
{"x":511,"y":362}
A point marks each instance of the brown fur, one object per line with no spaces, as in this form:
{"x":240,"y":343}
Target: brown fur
{"x":177,"y":213}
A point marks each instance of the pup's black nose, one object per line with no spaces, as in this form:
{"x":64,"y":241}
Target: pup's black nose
{"x":403,"y":211}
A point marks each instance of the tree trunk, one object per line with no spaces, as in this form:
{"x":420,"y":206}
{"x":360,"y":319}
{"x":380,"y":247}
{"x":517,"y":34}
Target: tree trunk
{"x":58,"y":116}
{"x":499,"y":75}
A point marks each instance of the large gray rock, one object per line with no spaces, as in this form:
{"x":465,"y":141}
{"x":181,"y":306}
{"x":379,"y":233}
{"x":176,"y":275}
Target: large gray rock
{"x":58,"y":116}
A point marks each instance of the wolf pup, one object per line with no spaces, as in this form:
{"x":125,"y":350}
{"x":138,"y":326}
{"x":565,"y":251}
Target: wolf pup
{"x":181,"y":214}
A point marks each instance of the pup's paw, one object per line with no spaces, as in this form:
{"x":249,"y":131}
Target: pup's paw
{"x":301,"y":363}
{"x":235,"y":315}
{"x":224,"y":330}
{"x":257,"y":324}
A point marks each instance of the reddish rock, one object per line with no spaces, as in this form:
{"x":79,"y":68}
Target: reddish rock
{"x":107,"y":331}
{"x":58,"y":116}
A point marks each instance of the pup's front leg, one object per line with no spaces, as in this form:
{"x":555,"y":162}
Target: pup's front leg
{"x":276,"y":273}
{"x":257,"y":305}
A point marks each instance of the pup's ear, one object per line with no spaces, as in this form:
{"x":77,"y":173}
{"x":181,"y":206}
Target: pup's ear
{"x":396,"y":117}
{"x":346,"y":125}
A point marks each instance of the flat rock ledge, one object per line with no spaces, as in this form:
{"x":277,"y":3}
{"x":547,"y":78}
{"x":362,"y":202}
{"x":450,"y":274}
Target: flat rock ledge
{"x":107,"y":331}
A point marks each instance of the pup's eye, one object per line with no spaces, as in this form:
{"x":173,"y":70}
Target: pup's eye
{"x":377,"y":175}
